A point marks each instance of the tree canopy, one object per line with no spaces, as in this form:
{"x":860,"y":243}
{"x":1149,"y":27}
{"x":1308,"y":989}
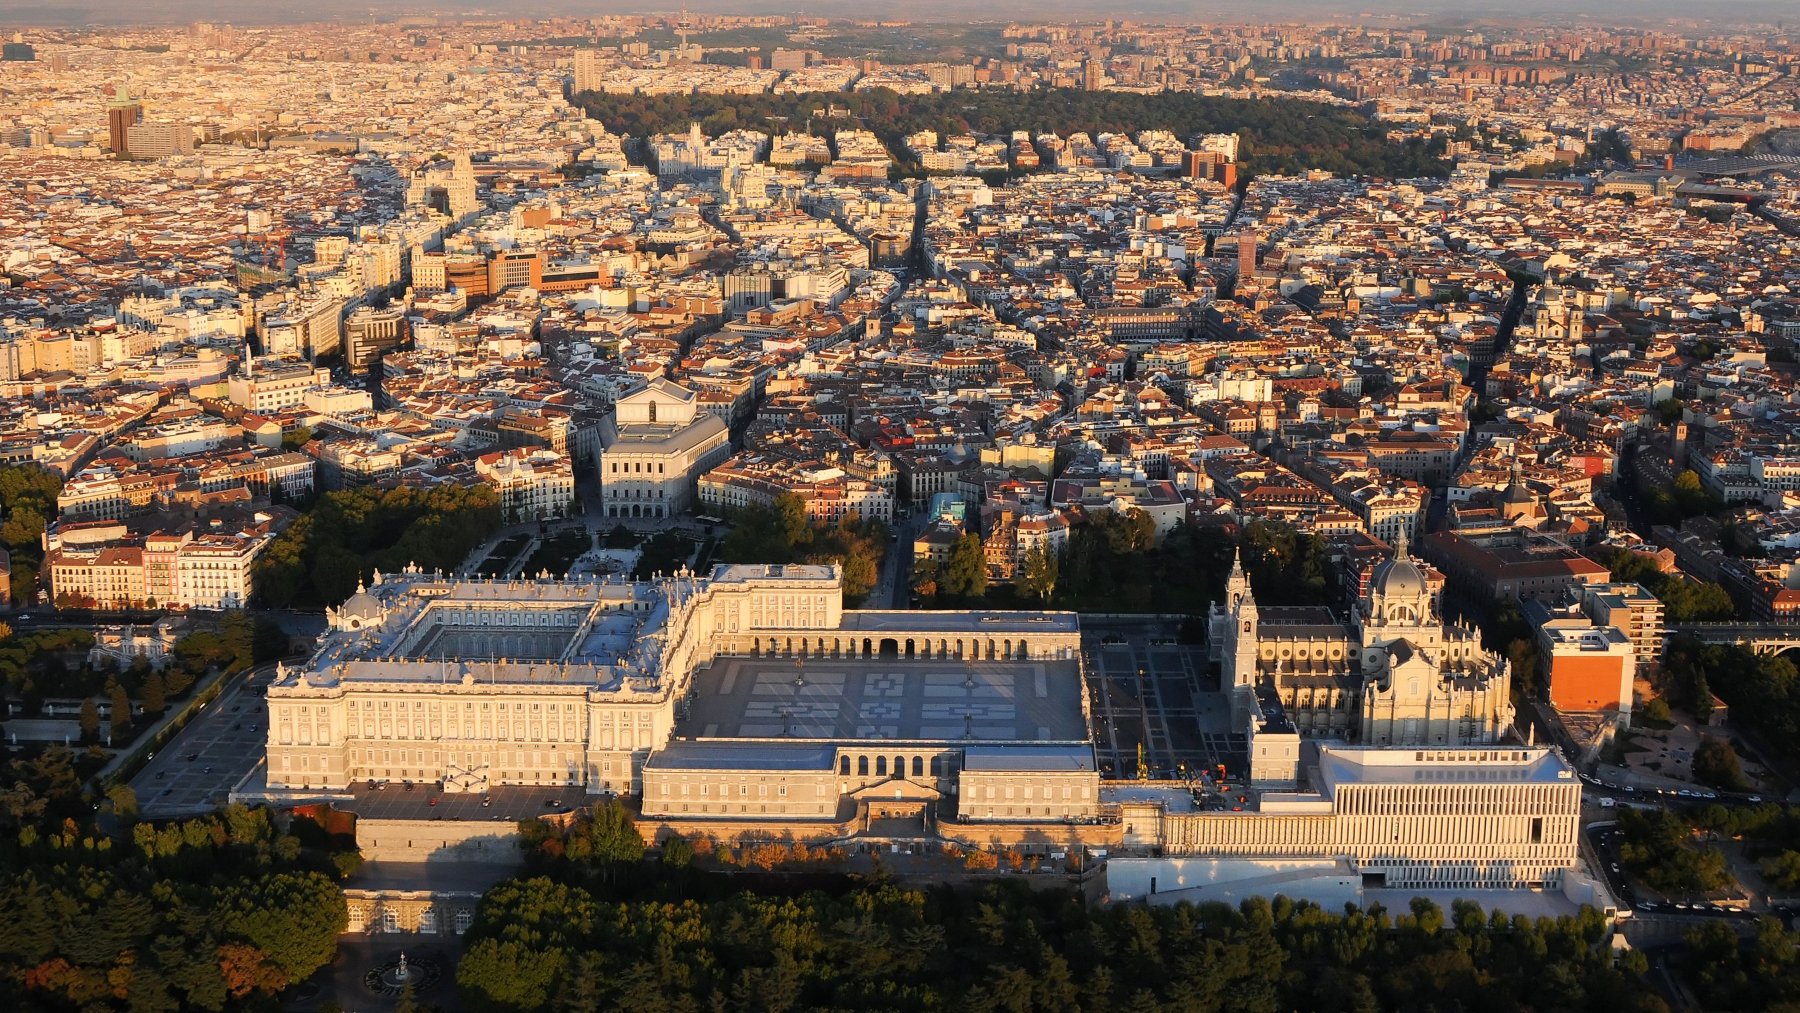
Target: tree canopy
{"x":213,"y":913}
{"x":1658,"y":851}
{"x":543,"y":944}
{"x":782,"y":533}
{"x":27,"y":502}
{"x":1276,"y":134}
{"x":1684,"y":600}
{"x":1764,"y":692}
{"x":347,"y":535}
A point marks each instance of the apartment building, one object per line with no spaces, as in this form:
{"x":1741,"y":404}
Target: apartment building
{"x":534,"y":484}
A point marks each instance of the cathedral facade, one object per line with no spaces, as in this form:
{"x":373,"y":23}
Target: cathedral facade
{"x":1390,"y":673}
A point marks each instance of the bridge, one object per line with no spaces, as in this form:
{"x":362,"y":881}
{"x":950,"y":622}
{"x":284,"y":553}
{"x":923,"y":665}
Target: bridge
{"x":1763,"y":638}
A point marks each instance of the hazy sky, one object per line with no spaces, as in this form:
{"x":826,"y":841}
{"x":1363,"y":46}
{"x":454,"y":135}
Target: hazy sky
{"x":77,"y":12}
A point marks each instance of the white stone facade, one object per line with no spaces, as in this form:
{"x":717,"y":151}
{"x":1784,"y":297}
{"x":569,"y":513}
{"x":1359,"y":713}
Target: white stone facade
{"x":654,"y":449}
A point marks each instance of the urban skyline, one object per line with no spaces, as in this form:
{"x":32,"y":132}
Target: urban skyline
{"x":1129,"y":512}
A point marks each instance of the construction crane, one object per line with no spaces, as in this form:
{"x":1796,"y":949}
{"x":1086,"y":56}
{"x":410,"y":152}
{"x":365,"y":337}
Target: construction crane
{"x":274,"y":244}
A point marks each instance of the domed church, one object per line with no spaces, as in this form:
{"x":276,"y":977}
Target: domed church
{"x":1391,"y":673}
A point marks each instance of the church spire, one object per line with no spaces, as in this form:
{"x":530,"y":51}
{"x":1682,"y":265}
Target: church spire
{"x":1237,"y":585}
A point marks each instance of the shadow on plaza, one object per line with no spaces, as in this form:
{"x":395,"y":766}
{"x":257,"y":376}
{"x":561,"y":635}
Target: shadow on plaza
{"x":358,"y":954}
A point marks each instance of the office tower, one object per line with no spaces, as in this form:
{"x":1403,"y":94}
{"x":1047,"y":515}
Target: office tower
{"x":587,"y":71}
{"x":460,"y":193}
{"x":1093,"y":75}
{"x":1246,"y":253}
{"x":121,"y":115}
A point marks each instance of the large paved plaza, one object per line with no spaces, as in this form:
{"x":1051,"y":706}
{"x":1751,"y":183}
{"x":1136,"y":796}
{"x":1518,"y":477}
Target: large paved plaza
{"x":850,"y":699}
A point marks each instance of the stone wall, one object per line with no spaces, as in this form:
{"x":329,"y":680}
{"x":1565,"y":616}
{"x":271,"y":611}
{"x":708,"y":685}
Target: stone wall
{"x":437,"y":841}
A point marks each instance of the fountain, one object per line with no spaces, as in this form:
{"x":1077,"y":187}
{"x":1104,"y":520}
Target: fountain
{"x":392,"y":980}
{"x":398,"y":976}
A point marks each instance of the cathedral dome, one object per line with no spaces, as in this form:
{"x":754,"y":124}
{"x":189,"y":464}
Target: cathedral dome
{"x":1399,"y":578}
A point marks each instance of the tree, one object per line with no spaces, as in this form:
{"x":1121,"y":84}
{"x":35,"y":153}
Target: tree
{"x":677,"y":853}
{"x":120,"y":718}
{"x":300,"y":437}
{"x":504,"y":976}
{"x":89,"y":721}
{"x":614,"y":836}
{"x":1038,"y":572}
{"x":24,"y":584}
{"x":1782,"y":871}
{"x":790,"y":514}
{"x":925,"y":578}
{"x":295,"y":918}
{"x":1716,"y":763}
{"x":965,"y":574}
{"x":1286,"y":567}
{"x":1522,"y":659}
{"x":247,"y":970}
{"x":154,"y":695}
{"x":861,"y":571}
{"x":124,"y":802}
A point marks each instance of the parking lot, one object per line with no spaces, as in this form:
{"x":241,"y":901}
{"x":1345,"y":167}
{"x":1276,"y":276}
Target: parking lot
{"x":1174,"y":708}
{"x":199,"y":767}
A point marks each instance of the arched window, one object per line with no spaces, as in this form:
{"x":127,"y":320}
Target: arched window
{"x":862,"y":766}
{"x":843,"y":765}
{"x":653,"y":411}
{"x":918,"y":766}
{"x":881,"y":766}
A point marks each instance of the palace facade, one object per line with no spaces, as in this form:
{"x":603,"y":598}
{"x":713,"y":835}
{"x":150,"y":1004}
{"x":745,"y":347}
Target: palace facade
{"x":580,"y":682}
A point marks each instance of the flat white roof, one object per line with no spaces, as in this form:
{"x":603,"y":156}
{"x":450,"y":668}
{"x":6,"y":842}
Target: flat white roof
{"x":978,"y":623}
{"x":1339,"y":765}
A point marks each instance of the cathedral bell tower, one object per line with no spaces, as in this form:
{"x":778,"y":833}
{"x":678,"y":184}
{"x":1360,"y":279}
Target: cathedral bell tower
{"x":1243,"y":615}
